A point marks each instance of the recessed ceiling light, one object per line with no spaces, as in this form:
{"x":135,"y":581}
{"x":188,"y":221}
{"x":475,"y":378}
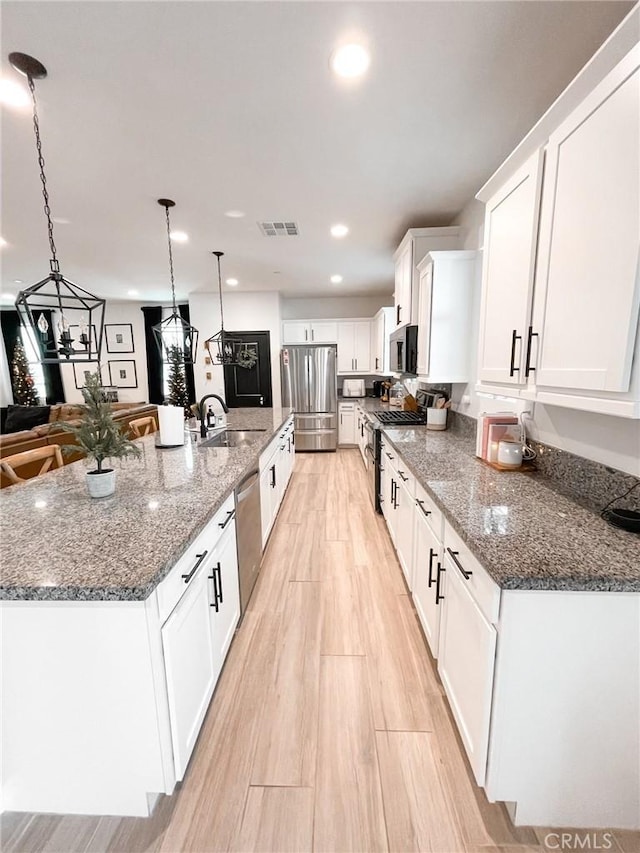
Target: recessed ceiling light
{"x":235,"y":214}
{"x":18,"y":281}
{"x":12,"y":94}
{"x":132,"y":292}
{"x":179,"y":236}
{"x":336,"y":279}
{"x":350,"y":60}
{"x":339,"y":230}
{"x":232,"y":281}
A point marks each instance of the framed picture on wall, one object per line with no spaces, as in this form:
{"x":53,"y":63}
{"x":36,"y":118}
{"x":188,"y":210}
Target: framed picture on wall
{"x":82,"y":371}
{"x":74,"y":331}
{"x":123,"y":374}
{"x":119,"y":337}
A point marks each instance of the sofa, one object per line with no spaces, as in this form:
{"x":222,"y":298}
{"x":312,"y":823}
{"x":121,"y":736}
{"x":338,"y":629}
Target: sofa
{"x":52,"y":433}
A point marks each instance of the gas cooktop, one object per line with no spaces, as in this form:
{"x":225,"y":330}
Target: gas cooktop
{"x":399,"y":418}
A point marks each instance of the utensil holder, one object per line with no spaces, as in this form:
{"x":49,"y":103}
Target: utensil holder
{"x":437,"y":418}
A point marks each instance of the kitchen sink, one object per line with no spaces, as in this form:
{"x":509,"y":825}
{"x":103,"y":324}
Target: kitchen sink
{"x":233,"y":438}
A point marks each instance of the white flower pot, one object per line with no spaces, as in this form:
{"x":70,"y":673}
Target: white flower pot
{"x":101,"y":484}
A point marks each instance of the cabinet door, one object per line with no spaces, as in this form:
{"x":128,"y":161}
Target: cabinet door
{"x":346,"y":356}
{"x":268,"y":484}
{"x":322,"y":332}
{"x":224,"y":606}
{"x":402,"y":296}
{"x":362,"y":346}
{"x":385,"y":487}
{"x":404,"y":529}
{"x":424,"y":319}
{"x":427,"y":558}
{"x":588,"y":285}
{"x":378,"y":343}
{"x":295,"y":332}
{"x":190,"y":668}
{"x":511,"y":226}
{"x":465,"y":664}
{"x":346,"y":428}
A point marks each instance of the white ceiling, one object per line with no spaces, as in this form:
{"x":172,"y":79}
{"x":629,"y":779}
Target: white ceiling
{"x":232,"y":106}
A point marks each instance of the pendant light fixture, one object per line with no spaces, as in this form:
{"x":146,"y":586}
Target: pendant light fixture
{"x":77,"y":314}
{"x":175,"y":330}
{"x":222,"y":348}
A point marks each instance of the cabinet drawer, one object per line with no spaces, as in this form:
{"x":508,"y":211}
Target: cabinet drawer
{"x":346,"y":407}
{"x":459,"y":560}
{"x":426,"y":507}
{"x":405,"y":476}
{"x":172,"y":588}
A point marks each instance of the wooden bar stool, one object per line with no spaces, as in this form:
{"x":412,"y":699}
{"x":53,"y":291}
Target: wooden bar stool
{"x":50,"y":455}
{"x":143,"y":426}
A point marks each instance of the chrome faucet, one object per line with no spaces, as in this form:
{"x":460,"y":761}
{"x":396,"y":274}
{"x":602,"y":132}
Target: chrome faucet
{"x":203,"y":426}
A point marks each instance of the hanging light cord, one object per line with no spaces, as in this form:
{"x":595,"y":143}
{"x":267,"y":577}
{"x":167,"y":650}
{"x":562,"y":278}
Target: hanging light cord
{"x":173,"y":286}
{"x":220,"y":293}
{"x":43,"y":179}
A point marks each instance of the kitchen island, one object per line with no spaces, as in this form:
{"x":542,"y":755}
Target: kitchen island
{"x":114,"y":622}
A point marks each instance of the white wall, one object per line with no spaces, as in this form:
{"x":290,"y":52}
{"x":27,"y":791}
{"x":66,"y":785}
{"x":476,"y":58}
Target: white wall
{"x":117,"y":312}
{"x":334,"y":307}
{"x":602,"y":438}
{"x":243,"y":312}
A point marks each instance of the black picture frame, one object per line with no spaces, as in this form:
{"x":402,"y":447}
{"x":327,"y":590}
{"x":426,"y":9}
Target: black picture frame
{"x":117,"y":367}
{"x":113,"y":331}
{"x":81,"y":370}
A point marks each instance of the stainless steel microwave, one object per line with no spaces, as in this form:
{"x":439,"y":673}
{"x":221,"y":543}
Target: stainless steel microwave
{"x":403,"y":355}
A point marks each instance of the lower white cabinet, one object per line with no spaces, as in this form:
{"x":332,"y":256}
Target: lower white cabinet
{"x":346,"y":423}
{"x":427,"y":578}
{"x":276,"y":465}
{"x":466,"y":663}
{"x":224,"y":604}
{"x":191,"y":667}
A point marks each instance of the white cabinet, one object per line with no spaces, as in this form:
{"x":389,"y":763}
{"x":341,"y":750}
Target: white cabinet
{"x":361,"y":433}
{"x":404,"y":525}
{"x":346,"y":423}
{"x":587,"y":286}
{"x":354,"y":346}
{"x":427,"y":567}
{"x":309,"y":332}
{"x":383,"y":325}
{"x":190,"y":667}
{"x":511,"y":227}
{"x":414,"y":246}
{"x":445,"y":302}
{"x":275,"y":466}
{"x":224,"y":606}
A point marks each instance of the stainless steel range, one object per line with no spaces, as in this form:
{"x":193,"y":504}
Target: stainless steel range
{"x":388,"y":418}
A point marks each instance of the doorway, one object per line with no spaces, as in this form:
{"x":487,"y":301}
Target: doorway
{"x":250,"y":386}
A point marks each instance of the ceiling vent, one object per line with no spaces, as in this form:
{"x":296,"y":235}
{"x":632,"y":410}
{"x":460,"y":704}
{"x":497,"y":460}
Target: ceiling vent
{"x":279,"y":229}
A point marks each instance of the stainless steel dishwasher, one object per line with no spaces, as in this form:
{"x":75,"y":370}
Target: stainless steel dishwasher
{"x":248,"y":534}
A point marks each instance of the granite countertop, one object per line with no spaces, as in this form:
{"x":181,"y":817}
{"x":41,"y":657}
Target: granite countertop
{"x":60,"y":544}
{"x":524,"y":532}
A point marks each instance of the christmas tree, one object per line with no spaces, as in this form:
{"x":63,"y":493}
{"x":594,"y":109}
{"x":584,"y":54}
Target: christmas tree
{"x":178,"y":395}
{"x":24,"y":388}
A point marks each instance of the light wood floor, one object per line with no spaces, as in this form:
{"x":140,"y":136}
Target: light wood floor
{"x":329,"y":730}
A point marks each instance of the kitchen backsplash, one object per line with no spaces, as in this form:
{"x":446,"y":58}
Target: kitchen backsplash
{"x":588,"y":482}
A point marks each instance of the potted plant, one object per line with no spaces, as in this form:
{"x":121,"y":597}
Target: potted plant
{"x":100,"y":437}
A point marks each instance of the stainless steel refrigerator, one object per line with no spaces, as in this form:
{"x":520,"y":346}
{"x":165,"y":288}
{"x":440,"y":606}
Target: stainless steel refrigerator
{"x":309,"y":387}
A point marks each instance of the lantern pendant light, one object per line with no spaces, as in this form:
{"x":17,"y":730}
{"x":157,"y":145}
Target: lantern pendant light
{"x":67,"y":305}
{"x":222,"y":348}
{"x":175,"y":328}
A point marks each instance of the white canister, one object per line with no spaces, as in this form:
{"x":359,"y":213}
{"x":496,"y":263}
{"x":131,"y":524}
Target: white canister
{"x":171,"y":425}
{"x":436,"y":418}
{"x":510,"y":454}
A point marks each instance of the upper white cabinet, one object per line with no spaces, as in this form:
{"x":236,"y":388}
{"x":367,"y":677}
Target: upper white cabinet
{"x":561,"y":284}
{"x":446,"y":287}
{"x":414,"y":246}
{"x":587,"y":287}
{"x":309,"y":332}
{"x":510,"y":232}
{"x":354,"y":346}
{"x":383,"y":324}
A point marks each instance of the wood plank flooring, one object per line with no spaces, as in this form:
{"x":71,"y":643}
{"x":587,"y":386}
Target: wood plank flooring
{"x":329,"y":730}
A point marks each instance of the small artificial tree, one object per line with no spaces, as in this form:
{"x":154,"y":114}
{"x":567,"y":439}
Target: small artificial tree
{"x":98,"y":434}
{"x":22,"y":382}
{"x":178,"y":395}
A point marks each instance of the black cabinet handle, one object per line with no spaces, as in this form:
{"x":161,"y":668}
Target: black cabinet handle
{"x":432,"y":554}
{"x":527,"y":368}
{"x":421,"y":505}
{"x":440,"y":570}
{"x":273,"y":476}
{"x":218,"y":571}
{"x":289,"y":445}
{"x":395,"y":493}
{"x":230,"y":515}
{"x":393,"y":485}
{"x":389,"y":456}
{"x":377,"y":360}
{"x":200,"y":558}
{"x":454,"y":556}
{"x":398,"y":309}
{"x":402,"y":477}
{"x":514,"y":337}
{"x":214,"y":578}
